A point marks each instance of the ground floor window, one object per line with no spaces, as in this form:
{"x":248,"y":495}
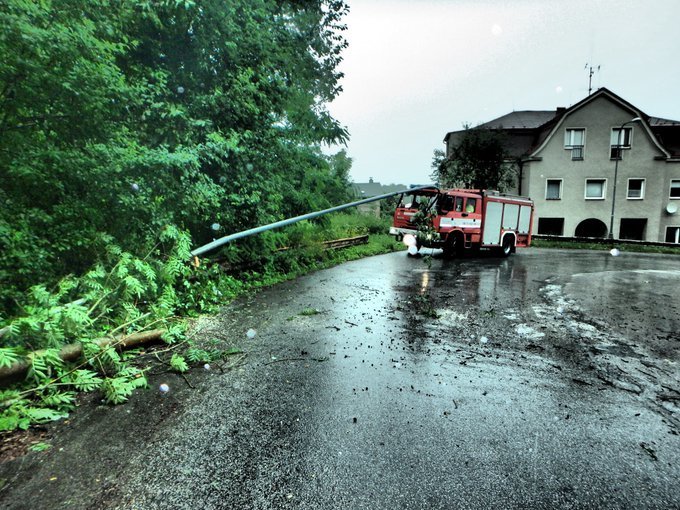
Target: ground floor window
{"x":551,"y":226}
{"x":673,"y":235}
{"x":633,"y":228}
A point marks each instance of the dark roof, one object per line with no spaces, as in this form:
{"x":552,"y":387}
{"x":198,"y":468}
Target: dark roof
{"x":373,"y":189}
{"x":523,"y":130}
{"x":527,"y":119}
{"x":657,"y":122}
{"x":526,"y":130}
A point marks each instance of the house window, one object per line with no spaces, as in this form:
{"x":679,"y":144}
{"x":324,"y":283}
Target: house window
{"x":553,"y":189}
{"x":673,"y":235}
{"x":636,"y":189}
{"x":633,"y":228}
{"x":595,"y":189}
{"x":619,"y":140}
{"x":574,"y":140}
{"x":675,"y":188}
{"x":551,"y":226}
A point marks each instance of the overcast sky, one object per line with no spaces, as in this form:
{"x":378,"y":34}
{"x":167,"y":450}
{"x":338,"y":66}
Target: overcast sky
{"x":416,"y":69}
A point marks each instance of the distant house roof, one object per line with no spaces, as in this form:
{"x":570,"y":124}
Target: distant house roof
{"x":527,"y":130}
{"x":373,"y":189}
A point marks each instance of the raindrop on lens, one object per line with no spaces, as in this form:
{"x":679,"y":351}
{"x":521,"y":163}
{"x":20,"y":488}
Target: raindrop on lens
{"x":413,"y":250}
{"x":180,"y":90}
{"x":251,"y":333}
{"x":409,"y":240}
{"x":615,"y":252}
{"x":164,"y":388}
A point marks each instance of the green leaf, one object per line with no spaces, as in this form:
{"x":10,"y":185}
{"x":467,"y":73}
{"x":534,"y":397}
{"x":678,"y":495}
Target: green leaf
{"x":178,"y":363}
{"x":39,"y":447}
{"x":85,"y":380}
{"x":42,"y":415}
{"x":9,"y":356}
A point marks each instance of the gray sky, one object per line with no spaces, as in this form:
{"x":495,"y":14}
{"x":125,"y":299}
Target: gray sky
{"x":416,"y":69}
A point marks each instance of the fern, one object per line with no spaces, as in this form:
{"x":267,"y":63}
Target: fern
{"x":132,"y":287}
{"x":61,"y":401}
{"x":85,"y":380}
{"x":174,"y":333}
{"x":178,"y":363}
{"x":118,"y":389}
{"x":195,"y":355}
{"x":9,"y":356}
{"x":43,"y":415}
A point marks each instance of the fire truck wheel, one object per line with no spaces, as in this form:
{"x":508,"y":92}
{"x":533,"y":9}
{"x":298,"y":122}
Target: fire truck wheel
{"x":506,"y":247}
{"x":454,"y":246}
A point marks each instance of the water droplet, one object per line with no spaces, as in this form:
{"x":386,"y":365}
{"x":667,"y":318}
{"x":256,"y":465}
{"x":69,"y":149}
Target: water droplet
{"x":615,"y":252}
{"x":215,"y":226}
{"x":164,"y":388}
{"x":413,"y":250}
{"x":134,"y":186}
{"x":409,"y":240}
{"x":180,"y":90}
{"x":251,"y":333}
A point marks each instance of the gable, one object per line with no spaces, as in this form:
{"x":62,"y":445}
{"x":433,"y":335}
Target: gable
{"x":600,"y":111}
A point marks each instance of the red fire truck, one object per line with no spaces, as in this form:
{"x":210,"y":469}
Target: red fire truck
{"x":458,"y":220}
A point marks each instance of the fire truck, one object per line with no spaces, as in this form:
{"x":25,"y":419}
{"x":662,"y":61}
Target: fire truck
{"x":463,"y":220}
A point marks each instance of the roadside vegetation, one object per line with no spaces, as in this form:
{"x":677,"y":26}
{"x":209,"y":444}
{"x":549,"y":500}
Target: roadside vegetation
{"x":131,"y":132}
{"x":607,"y":245}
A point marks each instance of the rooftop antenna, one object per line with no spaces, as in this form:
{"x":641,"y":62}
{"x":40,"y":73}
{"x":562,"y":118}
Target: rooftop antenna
{"x":591,"y":71}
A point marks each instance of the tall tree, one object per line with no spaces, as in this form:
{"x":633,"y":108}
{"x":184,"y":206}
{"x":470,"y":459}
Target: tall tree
{"x":478,"y":161}
{"x":120,"y":117}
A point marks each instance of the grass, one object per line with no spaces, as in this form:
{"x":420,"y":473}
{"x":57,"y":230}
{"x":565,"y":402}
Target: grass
{"x":605,"y":246}
{"x":305,"y":253}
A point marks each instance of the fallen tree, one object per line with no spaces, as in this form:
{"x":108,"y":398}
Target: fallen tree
{"x":72,"y":352}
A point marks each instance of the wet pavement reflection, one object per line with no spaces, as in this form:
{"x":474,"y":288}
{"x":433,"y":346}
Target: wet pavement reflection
{"x":545,"y":380}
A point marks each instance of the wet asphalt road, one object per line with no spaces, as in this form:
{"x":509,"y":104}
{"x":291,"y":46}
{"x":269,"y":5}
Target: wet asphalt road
{"x":546,"y":380}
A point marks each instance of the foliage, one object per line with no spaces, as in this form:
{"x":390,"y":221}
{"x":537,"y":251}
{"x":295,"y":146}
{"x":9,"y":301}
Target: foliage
{"x":132,"y":294}
{"x":606,"y":244}
{"x":120,"y":118}
{"x":478,"y":161}
{"x":132,"y":131}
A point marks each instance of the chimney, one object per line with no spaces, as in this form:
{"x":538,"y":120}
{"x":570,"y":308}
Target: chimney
{"x":560,"y":110}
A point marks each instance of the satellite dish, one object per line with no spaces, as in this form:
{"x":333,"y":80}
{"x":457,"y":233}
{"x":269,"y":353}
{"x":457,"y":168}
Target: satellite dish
{"x":672,"y":208}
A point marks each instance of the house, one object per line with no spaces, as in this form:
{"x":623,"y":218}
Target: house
{"x":373,"y":189}
{"x":598,"y":168}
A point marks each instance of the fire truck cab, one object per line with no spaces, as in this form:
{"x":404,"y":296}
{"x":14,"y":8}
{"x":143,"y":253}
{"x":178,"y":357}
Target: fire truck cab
{"x":458,"y":220}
